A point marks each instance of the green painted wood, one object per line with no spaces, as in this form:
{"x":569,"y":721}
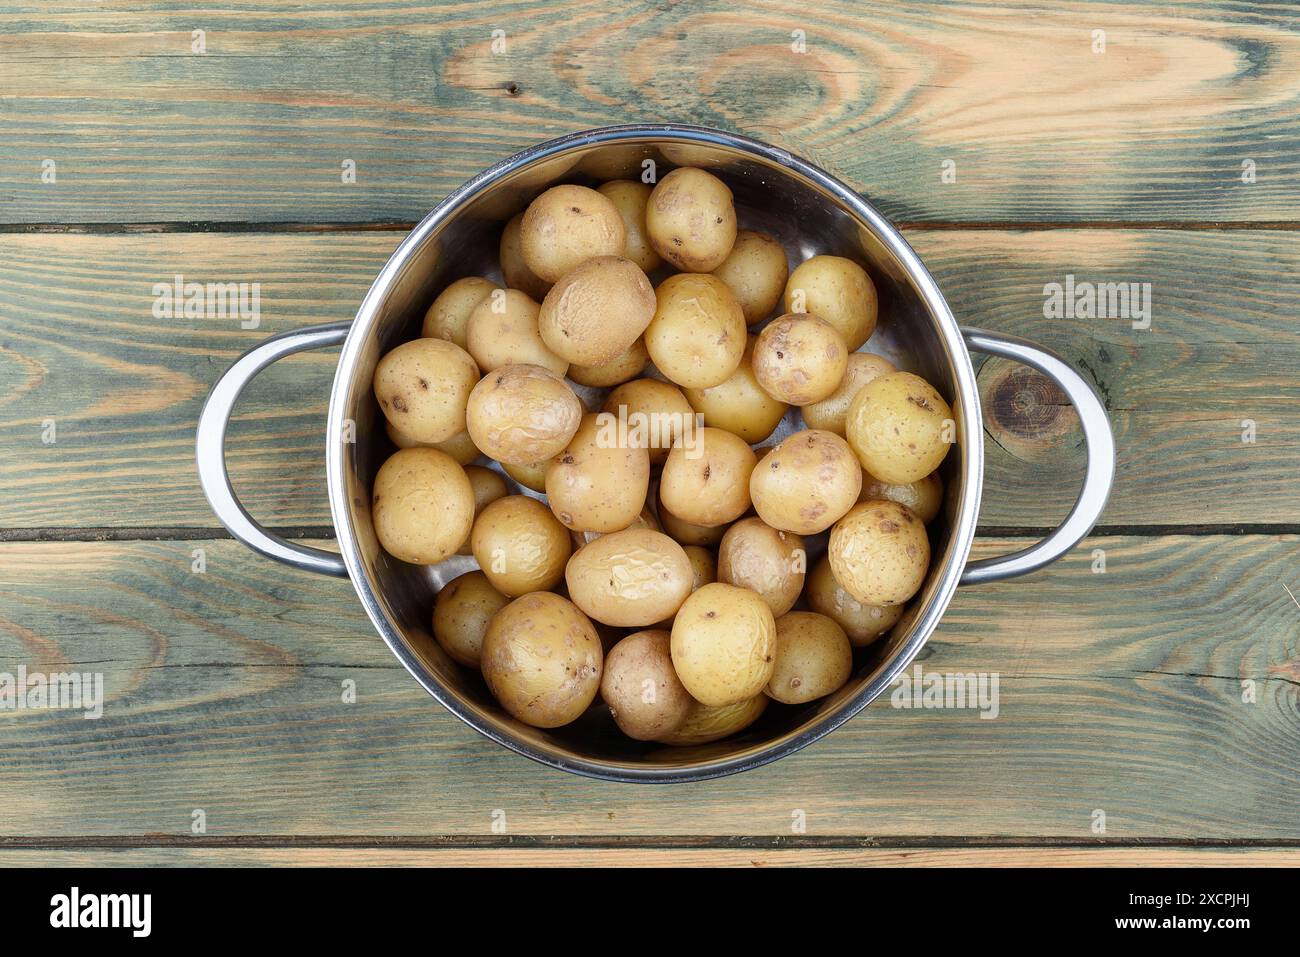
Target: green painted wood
{"x":1120,"y":692}
{"x":1040,"y":127}
{"x":80,"y":346}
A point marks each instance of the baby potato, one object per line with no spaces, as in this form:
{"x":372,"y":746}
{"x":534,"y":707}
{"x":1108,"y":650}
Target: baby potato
{"x":542,"y":660}
{"x":697,"y":336}
{"x":625,"y":366}
{"x":616,"y":161}
{"x":488,"y":486}
{"x":839,"y":291}
{"x":756,"y":271}
{"x":813,"y":658}
{"x":566,"y":226}
{"x":704,"y":566}
{"x":706,"y":478}
{"x":596,"y":310}
{"x":503,"y":331}
{"x":879,"y":553}
{"x":422,"y":387}
{"x":704,"y":724}
{"x":691,"y":220}
{"x":900,"y":427}
{"x":656,"y":414}
{"x":645,"y":520}
{"x":800,"y":359}
{"x":864,"y":624}
{"x":630,"y":198}
{"x":724,"y":644}
{"x":461,"y":613}
{"x":423,"y":506}
{"x":448,"y":317}
{"x":767,"y":561}
{"x":597,"y":484}
{"x":531,"y":475}
{"x":685,"y":533}
{"x":646,"y":699}
{"x":520,"y":545}
{"x":513,"y":268}
{"x":522,"y":414}
{"x":629,"y":579}
{"x":829,"y":414}
{"x":924,"y":496}
{"x":740,"y":405}
{"x":806,"y":483}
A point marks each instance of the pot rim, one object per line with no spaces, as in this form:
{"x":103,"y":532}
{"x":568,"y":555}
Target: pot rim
{"x":970,"y":451}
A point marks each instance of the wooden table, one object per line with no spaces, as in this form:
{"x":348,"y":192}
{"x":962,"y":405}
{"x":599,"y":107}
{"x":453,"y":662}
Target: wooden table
{"x":1162,"y":692}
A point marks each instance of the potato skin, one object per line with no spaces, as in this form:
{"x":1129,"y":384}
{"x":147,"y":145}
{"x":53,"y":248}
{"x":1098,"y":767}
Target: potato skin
{"x":461,"y":613}
{"x":740,"y":404}
{"x":813,"y":658}
{"x":597,"y":310}
{"x":520,"y":545}
{"x":724,"y":644}
{"x":864,"y":624}
{"x":839,"y":291}
{"x":652,"y":401}
{"x":423,"y":506}
{"x":691,"y":220}
{"x":422,"y":387}
{"x":488,"y":486}
{"x":645,"y":697}
{"x":756,"y":271}
{"x":460,"y":446}
{"x":522,"y":414}
{"x":502,"y":330}
{"x":567,"y":225}
{"x":707,"y":482}
{"x":899,"y":426}
{"x":627,"y":365}
{"x":513,"y":268}
{"x":879,"y":553}
{"x":800,"y":359}
{"x":448,"y":316}
{"x":531,"y":475}
{"x":687,"y":533}
{"x":924,"y":496}
{"x":806,"y":483}
{"x":594,"y":484}
{"x":697,"y":336}
{"x":704,"y":724}
{"x":542,"y":660}
{"x":767,"y":561}
{"x":630,"y":198}
{"x":630,"y":579}
{"x":829,"y":414}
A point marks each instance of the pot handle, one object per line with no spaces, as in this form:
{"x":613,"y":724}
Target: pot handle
{"x":1097,"y":478}
{"x":210,"y":445}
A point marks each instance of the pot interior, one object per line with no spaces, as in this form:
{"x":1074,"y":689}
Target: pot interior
{"x":775,"y":194}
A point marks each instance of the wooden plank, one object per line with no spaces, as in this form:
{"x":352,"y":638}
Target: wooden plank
{"x":652,"y":857}
{"x":79,"y":346}
{"x":1120,"y":692}
{"x":1040,"y":126}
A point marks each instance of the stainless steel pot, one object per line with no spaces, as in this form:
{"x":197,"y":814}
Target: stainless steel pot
{"x":811,"y":212}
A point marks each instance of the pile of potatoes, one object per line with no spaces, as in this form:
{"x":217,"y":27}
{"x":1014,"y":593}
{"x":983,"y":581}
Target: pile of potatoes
{"x":668,"y":571}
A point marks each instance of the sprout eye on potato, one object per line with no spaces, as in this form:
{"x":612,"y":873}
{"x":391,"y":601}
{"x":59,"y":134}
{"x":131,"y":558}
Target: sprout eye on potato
{"x":637,"y":486}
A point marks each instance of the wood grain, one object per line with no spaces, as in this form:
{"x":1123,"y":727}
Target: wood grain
{"x":1121,"y":693}
{"x":79,"y":346}
{"x":651,"y":857}
{"x":1040,"y":126}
